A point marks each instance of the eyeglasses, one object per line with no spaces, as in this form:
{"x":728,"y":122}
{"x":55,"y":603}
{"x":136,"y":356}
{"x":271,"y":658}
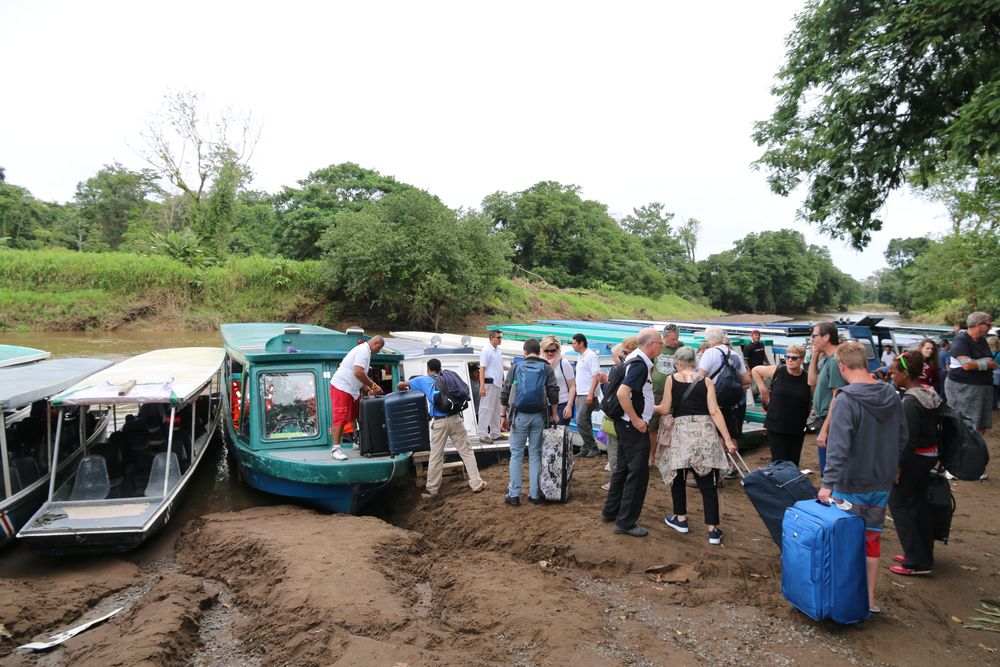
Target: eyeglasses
{"x":792,"y":357}
{"x":550,"y":351}
{"x":816,"y":335}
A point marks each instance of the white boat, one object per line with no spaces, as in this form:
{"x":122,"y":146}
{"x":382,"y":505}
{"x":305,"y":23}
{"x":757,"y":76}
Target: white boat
{"x":165,"y":409}
{"x":26,"y":434}
{"x":512,"y":349}
{"x":464,"y":361}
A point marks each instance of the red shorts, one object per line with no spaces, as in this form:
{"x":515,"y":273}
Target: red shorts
{"x":345,"y":406}
{"x":873,"y":543}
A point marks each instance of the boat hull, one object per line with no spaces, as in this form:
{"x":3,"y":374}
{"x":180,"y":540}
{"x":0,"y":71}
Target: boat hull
{"x":311,"y":476}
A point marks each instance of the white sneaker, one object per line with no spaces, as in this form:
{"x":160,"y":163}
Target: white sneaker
{"x":984,"y":476}
{"x":948,"y":475}
{"x":486,"y":440}
{"x":338,"y":453}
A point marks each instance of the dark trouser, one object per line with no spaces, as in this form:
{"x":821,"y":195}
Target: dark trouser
{"x":910,"y":512}
{"x":583,"y":424}
{"x":996,"y":395}
{"x":785,"y":446}
{"x":630,"y":477}
{"x":709,"y":495}
{"x":734,"y":417}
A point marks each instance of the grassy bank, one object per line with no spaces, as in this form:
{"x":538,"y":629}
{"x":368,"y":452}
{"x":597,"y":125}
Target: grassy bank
{"x":68,"y":291}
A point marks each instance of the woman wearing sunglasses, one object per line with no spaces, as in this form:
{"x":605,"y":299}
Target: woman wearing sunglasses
{"x":565,"y":377}
{"x":786,"y":403}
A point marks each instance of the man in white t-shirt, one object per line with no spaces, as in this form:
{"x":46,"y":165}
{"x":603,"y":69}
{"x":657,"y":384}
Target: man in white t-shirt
{"x":588,"y":377}
{"x":347,"y":384}
{"x":491,"y":380}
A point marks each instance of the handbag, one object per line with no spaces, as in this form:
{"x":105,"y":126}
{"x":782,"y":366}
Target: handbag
{"x":666,"y":429}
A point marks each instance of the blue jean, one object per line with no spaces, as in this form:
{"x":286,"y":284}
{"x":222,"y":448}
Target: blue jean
{"x":563,"y":420}
{"x":527,"y":428}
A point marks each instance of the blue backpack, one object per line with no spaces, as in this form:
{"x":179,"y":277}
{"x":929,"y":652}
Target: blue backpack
{"x":529,"y":386}
{"x":451,"y":393}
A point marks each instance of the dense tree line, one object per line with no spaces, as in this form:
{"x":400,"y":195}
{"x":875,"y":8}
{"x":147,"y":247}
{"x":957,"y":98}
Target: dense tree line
{"x":392,"y":246}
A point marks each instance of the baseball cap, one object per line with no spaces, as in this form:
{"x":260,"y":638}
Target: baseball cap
{"x":755,"y":331}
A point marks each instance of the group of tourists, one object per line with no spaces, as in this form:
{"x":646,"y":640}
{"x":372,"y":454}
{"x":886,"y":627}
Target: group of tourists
{"x":682,"y":410}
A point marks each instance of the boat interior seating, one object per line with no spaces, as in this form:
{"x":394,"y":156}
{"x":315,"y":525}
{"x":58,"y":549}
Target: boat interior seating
{"x":23,"y":471}
{"x":91,"y":481}
{"x":162,"y":467}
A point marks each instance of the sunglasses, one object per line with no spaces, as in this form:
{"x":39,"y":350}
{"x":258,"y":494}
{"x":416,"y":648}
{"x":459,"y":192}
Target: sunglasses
{"x":550,"y":351}
{"x":792,"y":357}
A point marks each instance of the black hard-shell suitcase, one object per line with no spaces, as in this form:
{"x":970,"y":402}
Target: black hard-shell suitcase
{"x":773,"y":489}
{"x":406,"y":422}
{"x":373,"y":438}
{"x":941,"y":503}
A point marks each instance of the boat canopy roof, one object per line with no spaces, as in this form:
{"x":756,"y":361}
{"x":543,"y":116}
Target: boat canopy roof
{"x":276,"y":341}
{"x":23,"y":385}
{"x":594,"y":334}
{"x":173,"y":375}
{"x":11,"y":355}
{"x":414,"y":348}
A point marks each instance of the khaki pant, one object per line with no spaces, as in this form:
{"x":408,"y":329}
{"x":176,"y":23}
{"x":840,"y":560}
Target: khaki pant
{"x":443,"y":428}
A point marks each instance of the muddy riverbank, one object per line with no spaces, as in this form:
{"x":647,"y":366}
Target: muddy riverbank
{"x":467,"y":580}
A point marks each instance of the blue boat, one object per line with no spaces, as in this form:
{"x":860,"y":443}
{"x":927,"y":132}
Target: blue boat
{"x":277,"y":415}
{"x":15,"y":355}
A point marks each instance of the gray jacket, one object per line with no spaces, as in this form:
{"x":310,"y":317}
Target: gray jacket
{"x":867,"y":434}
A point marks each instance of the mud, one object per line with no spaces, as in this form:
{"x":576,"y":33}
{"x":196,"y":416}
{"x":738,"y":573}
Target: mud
{"x":465,"y":579}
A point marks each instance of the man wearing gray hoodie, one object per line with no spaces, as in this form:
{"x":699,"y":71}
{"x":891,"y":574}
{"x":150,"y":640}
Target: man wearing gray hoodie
{"x":867,"y":434}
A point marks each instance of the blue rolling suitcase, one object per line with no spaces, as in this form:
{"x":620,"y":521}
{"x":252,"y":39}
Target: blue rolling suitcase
{"x":823,"y":570}
{"x":773,"y":489}
{"x":406,"y":422}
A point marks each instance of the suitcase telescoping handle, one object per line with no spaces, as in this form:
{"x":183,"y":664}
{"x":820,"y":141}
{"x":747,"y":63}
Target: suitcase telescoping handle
{"x":734,"y":457}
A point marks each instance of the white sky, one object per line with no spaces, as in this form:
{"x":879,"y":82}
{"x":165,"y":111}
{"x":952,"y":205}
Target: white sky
{"x":633,"y":101}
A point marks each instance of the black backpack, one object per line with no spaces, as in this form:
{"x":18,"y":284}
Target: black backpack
{"x":451,"y":393}
{"x":961,"y":448}
{"x":728,"y":386}
{"x":610,"y":404}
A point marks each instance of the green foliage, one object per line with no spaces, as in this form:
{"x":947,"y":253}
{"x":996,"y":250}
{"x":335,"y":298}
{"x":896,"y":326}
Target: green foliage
{"x":305,"y":213}
{"x":110,"y":201}
{"x":183,"y":247}
{"x":873,"y":91}
{"x":57,"y":289}
{"x":573,"y":242}
{"x":776,"y":272}
{"x":410,"y":259}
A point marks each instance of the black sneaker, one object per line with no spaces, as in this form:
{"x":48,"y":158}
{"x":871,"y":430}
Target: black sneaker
{"x":512,"y":501}
{"x":536,"y":501}
{"x":634,"y":531}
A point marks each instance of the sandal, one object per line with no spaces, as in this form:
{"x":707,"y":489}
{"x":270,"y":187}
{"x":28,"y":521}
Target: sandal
{"x":906,"y":571}
{"x":606,"y":486}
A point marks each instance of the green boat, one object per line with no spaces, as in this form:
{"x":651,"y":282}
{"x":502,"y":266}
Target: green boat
{"x":278,"y":415}
{"x":602,"y":337}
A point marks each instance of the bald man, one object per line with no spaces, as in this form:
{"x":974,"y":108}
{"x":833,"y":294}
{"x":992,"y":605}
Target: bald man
{"x":347,"y":384}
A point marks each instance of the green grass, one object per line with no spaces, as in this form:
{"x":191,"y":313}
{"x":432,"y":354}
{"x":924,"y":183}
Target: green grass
{"x":61,"y":290}
{"x":518,"y":300}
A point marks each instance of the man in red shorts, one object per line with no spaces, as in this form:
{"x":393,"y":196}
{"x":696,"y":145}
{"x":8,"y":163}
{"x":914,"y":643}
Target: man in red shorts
{"x":346,"y":387}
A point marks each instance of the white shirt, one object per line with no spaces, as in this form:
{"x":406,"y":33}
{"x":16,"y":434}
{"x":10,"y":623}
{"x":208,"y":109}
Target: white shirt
{"x":587,"y":366}
{"x":711,"y":361}
{"x":491,"y":363}
{"x":564,"y":375}
{"x":647,"y":388}
{"x":344,"y":379}
{"x":888,"y":358}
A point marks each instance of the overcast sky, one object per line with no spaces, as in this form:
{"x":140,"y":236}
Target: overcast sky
{"x":632,"y":101}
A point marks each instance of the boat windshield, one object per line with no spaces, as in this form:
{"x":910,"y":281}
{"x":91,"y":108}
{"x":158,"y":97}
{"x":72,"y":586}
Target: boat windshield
{"x":289,"y":401}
